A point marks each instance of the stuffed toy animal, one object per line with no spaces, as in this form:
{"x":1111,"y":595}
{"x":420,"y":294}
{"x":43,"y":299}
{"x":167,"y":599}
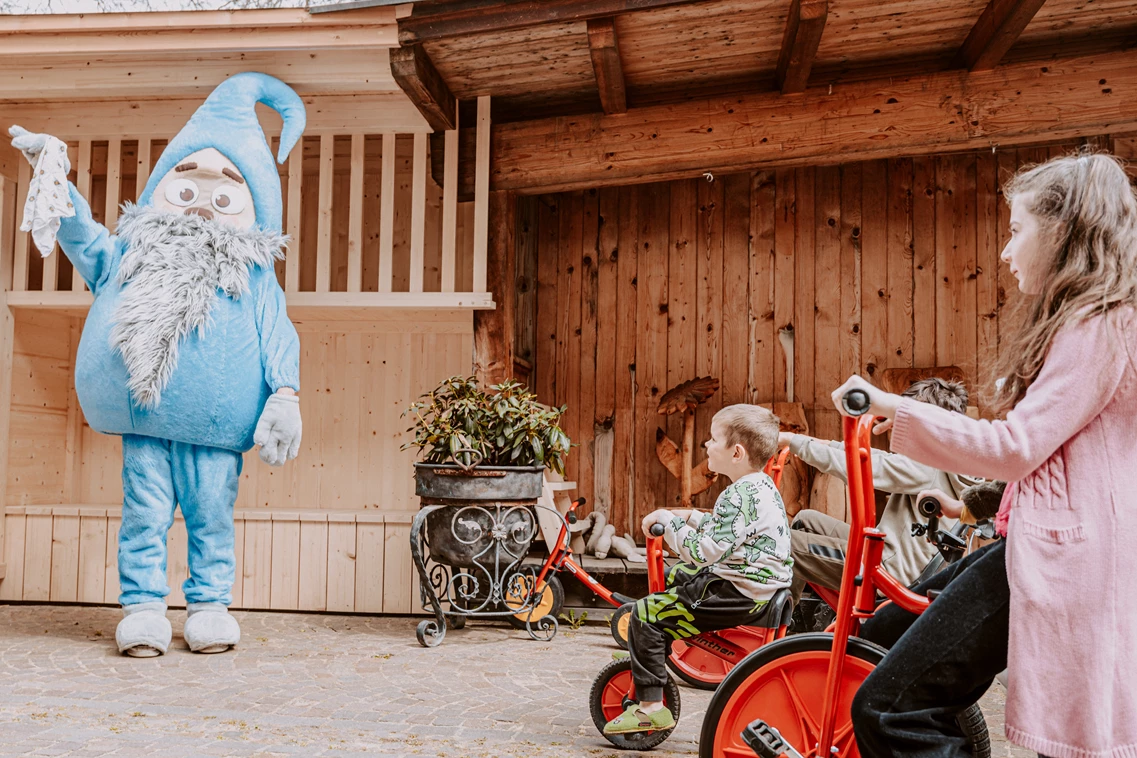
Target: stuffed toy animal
{"x":187,"y":351}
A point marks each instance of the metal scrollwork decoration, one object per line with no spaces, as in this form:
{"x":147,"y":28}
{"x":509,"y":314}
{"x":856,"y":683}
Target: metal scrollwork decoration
{"x":479,"y":570}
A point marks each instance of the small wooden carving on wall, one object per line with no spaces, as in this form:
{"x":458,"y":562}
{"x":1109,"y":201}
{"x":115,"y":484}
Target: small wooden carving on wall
{"x":679,"y":459}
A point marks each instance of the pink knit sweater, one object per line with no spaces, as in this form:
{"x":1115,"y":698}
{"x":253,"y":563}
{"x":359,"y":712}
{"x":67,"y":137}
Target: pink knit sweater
{"x":1070,"y":446}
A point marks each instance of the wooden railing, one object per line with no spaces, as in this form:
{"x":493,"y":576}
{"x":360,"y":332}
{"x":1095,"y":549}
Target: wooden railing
{"x":368,"y":227}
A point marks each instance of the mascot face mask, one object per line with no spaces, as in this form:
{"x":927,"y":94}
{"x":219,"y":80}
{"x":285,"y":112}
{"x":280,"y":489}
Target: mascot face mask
{"x":207,"y":184}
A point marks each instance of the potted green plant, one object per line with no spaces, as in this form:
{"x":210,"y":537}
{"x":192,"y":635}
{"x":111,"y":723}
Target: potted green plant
{"x":482,"y":446}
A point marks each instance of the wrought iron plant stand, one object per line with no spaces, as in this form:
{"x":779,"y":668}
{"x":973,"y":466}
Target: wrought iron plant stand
{"x":476,"y":525}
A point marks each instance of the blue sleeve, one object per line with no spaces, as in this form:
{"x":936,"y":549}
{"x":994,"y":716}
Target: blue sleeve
{"x":280,"y":345}
{"x":87,"y":243}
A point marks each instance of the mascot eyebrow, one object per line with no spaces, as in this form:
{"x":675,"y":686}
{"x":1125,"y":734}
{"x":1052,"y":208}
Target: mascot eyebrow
{"x":227,"y":172}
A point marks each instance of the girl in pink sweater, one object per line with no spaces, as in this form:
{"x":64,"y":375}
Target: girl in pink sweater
{"x":1060,"y":610}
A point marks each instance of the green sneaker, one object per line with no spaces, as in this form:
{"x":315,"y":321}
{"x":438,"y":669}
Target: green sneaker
{"x":621,"y":655}
{"x":634,"y":720}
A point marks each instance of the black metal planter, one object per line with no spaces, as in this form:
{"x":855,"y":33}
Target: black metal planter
{"x":477,"y":525}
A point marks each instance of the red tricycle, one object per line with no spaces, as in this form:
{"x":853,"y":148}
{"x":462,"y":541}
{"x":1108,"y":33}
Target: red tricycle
{"x":702,"y":662}
{"x":792,"y":698}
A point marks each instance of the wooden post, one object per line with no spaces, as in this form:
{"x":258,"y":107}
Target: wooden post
{"x":114,"y":178}
{"x":295,"y":176}
{"x":324,"y":219}
{"x":8,"y":231}
{"x":355,"y":217}
{"x":481,"y":193}
{"x":142,"y":171}
{"x":20,"y":262}
{"x":83,"y":184}
{"x":387,"y":215}
{"x":450,"y":206}
{"x":494,"y":330}
{"x":418,"y":212}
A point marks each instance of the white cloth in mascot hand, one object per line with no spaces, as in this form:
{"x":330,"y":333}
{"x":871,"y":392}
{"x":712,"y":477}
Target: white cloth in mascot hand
{"x":48,"y":197}
{"x":279,"y":429}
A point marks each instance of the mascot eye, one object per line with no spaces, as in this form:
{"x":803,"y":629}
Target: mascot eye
{"x":181,"y":192}
{"x":228,"y":200}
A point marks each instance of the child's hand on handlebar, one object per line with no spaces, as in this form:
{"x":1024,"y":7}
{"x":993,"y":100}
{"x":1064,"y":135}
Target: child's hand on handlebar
{"x":881,"y":404}
{"x":949,"y":506}
{"x":784,"y":439}
{"x":659,"y":516}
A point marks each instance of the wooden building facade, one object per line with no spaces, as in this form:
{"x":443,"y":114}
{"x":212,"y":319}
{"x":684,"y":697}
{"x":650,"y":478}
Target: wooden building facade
{"x":382,"y":276}
{"x":667,"y":185}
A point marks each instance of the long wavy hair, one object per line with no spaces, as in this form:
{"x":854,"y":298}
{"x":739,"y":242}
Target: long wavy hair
{"x":1087,"y":214}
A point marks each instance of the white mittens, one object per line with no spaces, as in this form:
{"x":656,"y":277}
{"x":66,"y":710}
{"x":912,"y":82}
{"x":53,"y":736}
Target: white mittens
{"x":48,"y":199}
{"x":28,"y":143}
{"x":278,"y":430}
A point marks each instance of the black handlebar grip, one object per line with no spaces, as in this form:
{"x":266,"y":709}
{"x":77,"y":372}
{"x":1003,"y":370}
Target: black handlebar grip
{"x":929,"y":506}
{"x":856,"y":402}
{"x":580,"y":501}
{"x":571,"y":517}
{"x":657,"y":529}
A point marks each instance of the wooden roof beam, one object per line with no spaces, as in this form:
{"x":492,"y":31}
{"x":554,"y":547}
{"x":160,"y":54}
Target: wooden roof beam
{"x":935,"y":113}
{"x":804,"y":25}
{"x":997,"y":29}
{"x":606,"y":64}
{"x":455,"y":18}
{"x":419,"y":79}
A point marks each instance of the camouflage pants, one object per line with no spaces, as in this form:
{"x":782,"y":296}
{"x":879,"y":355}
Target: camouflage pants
{"x":694,"y":602}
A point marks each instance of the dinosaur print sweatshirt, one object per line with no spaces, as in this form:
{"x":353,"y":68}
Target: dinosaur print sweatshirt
{"x":745,"y":539}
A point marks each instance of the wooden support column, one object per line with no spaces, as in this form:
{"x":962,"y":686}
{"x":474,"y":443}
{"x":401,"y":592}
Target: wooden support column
{"x":481,"y":192}
{"x":450,"y":208}
{"x":8,"y":225}
{"x":387,"y":215}
{"x":804,"y":26}
{"x":324,"y":217}
{"x":997,"y":29}
{"x":494,"y":330}
{"x":419,"y":79}
{"x":114,"y":186}
{"x":418,"y":212}
{"x":355,"y":217}
{"x":606,"y":64}
{"x":292,"y":259}
{"x":83,"y":184}
{"x":21,"y":244}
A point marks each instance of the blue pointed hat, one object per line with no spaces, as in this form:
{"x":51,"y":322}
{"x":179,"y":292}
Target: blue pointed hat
{"x":227,"y":121}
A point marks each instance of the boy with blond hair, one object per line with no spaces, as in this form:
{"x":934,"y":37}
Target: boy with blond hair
{"x":734,"y":560}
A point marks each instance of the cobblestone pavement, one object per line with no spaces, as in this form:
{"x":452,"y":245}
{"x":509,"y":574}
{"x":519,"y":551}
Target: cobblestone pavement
{"x":313,"y":685}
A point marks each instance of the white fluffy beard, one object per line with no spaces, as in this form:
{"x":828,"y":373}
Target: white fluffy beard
{"x":174,"y":265}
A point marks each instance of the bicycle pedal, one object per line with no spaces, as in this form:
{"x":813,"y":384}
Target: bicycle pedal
{"x":767,"y":742}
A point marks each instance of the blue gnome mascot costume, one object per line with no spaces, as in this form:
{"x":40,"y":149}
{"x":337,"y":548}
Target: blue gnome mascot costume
{"x":187,"y":351}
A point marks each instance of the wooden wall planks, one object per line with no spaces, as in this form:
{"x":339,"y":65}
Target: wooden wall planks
{"x":875,"y":265}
